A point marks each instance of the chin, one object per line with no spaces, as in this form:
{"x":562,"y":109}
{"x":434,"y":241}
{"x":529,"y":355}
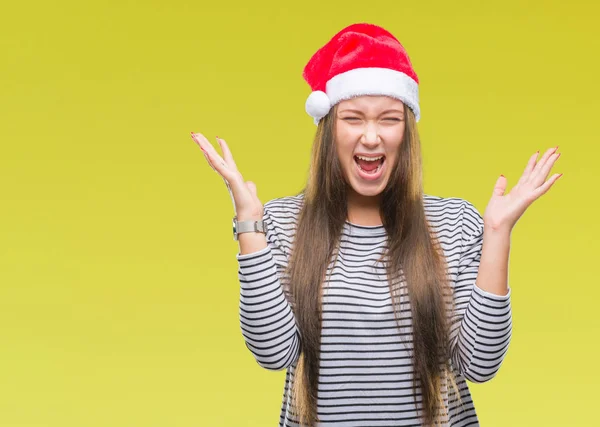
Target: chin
{"x":368,"y":190}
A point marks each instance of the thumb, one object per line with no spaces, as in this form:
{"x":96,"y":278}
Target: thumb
{"x":252,"y":187}
{"x":500,"y":186}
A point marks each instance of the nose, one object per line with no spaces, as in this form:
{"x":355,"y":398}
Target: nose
{"x":370,"y":137}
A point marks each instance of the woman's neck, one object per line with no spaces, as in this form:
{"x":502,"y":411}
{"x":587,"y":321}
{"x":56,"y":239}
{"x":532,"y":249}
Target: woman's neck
{"x":364,"y":210}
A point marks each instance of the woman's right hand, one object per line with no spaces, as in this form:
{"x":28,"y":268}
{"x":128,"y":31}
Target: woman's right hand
{"x":245,"y":201}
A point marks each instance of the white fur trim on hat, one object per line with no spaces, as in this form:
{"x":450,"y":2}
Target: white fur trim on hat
{"x":364,"y":81}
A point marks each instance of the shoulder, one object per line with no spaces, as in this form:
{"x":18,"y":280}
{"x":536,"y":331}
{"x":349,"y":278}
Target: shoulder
{"x":456,"y":211}
{"x":281,"y":214}
{"x":284,"y":209}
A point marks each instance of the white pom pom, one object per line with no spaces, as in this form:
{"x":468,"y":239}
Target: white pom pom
{"x":317,"y":104}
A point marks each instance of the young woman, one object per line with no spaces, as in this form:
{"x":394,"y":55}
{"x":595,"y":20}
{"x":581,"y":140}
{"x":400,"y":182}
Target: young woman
{"x":380,"y":301}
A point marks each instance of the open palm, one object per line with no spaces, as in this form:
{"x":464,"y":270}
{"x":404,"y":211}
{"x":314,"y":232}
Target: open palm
{"x":246,"y":203}
{"x":504,"y":210}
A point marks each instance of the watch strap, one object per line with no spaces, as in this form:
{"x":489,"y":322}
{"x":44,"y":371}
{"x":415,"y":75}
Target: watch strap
{"x":248,"y":226}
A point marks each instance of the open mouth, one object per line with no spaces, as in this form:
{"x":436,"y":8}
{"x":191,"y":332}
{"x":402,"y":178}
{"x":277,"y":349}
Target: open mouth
{"x":369,"y":165}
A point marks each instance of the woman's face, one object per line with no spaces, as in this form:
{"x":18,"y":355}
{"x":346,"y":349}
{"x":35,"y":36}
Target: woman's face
{"x":370,"y":127}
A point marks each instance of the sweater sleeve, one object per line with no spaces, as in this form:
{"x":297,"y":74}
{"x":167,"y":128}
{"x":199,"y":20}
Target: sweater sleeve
{"x":266,"y":317}
{"x":482,"y":321}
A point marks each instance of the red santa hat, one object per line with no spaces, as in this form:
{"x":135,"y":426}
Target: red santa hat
{"x":361,"y":59}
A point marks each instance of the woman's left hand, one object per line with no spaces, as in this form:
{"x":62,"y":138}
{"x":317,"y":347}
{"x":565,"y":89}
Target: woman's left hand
{"x":504,"y":210}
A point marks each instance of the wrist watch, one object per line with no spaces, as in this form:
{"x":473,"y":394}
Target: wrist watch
{"x":240,"y":227}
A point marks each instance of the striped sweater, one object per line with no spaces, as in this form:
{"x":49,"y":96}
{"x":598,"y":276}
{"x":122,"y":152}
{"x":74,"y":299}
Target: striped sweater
{"x":365,"y":376}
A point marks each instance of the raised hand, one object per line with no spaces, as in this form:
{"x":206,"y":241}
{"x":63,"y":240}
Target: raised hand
{"x":243,"y":193}
{"x":504,"y":210}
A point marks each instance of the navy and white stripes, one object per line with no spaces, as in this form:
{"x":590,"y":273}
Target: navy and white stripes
{"x":366,"y":370}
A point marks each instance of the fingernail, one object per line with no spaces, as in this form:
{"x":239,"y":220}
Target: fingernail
{"x":502,"y":175}
{"x":559,"y":175}
{"x":556,"y":148}
{"x":558,"y":155}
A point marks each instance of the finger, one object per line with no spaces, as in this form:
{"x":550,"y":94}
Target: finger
{"x":220,"y":167}
{"x":542,"y":189}
{"x":538,"y":167}
{"x":529,"y":167}
{"x":224,"y":180}
{"x":540,"y":174}
{"x":213,"y":168}
{"x":548,"y":166}
{"x":208,"y":160}
{"x":226,"y":153}
{"x":216,"y":162}
{"x":208,"y":147}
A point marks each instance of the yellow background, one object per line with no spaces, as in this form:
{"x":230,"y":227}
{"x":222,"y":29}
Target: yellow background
{"x":118,"y":277}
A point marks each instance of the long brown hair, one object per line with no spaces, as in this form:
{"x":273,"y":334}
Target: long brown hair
{"x":413,"y":255}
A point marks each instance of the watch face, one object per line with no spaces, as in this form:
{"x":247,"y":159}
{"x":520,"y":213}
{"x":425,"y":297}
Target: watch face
{"x":234,"y":226}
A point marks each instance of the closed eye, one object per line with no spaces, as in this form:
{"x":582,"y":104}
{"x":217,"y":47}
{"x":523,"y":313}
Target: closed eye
{"x":356,"y":118}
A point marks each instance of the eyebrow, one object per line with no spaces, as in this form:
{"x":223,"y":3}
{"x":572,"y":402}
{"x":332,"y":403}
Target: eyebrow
{"x":383,"y":112}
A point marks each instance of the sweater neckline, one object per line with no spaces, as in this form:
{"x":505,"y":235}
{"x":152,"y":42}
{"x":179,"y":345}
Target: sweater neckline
{"x":364,"y":230}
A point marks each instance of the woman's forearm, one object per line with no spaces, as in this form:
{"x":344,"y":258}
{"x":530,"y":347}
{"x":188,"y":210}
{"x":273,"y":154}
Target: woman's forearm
{"x":492,"y":276}
{"x":251,"y":242}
